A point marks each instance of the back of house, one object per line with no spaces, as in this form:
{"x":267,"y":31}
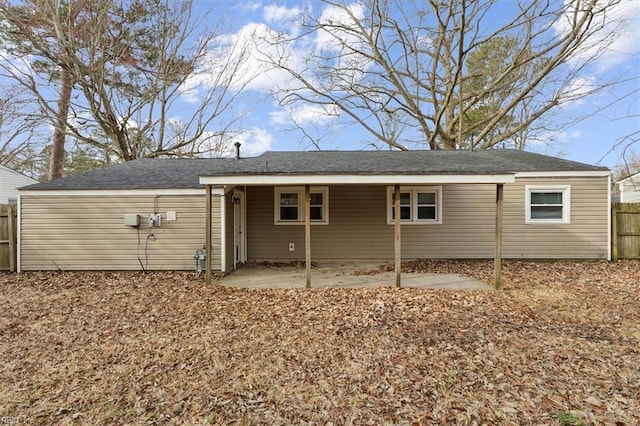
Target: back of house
{"x":151,"y":214}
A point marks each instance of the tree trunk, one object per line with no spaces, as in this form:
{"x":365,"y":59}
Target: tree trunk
{"x":56,"y":162}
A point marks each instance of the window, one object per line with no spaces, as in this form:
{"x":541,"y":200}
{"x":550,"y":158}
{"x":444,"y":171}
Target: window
{"x":405,"y":206}
{"x":426,"y":202}
{"x":548,"y":204}
{"x":418,"y":205}
{"x":289,"y":205}
{"x":317,"y":206}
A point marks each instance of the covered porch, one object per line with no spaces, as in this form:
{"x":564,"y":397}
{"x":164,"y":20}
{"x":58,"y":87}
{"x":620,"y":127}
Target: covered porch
{"x":239,"y":190}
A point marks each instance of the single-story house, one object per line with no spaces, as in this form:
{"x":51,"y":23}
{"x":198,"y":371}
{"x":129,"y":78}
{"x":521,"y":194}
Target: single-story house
{"x":328,"y":206}
{"x":629,"y":189}
{"x":10,"y":181}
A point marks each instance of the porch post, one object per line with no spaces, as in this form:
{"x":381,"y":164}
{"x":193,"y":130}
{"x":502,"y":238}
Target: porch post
{"x":207,"y":243}
{"x":307,"y":233}
{"x":397,"y":233}
{"x":497,"y":256}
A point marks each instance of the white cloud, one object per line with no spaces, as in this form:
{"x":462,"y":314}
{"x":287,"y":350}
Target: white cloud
{"x":274,"y":13}
{"x":249,"y":50}
{"x":625,"y":44}
{"x":335,"y":17}
{"x":616,"y":40}
{"x":304,"y":114}
{"x":253,"y":141}
{"x":252,"y":5}
{"x":566,"y":137}
{"x":230,"y":62}
{"x":579,"y":88}
{"x":341,"y":43}
{"x":239,"y":61}
{"x":553,"y":138}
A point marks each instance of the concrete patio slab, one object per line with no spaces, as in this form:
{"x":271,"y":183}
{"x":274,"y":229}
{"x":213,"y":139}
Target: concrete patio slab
{"x":344,"y":276}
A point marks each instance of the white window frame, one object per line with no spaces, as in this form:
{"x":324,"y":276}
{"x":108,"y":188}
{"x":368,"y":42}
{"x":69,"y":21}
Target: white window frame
{"x":414,"y":191}
{"x":566,"y":203}
{"x":278,"y":190}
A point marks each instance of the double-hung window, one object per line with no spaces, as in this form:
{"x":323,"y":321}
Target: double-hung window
{"x":548,"y":204}
{"x":418,"y":205}
{"x":289,"y":205}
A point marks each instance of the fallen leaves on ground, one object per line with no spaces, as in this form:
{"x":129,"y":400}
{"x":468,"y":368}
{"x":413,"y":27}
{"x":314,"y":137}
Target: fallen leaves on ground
{"x":562,"y":339}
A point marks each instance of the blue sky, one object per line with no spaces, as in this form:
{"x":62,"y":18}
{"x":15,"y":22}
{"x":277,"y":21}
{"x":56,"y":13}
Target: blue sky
{"x":598,"y":139}
{"x":612,"y":114}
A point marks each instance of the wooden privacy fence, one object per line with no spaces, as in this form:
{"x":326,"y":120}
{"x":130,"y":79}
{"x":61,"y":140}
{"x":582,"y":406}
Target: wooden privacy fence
{"x":625,"y":231}
{"x":8,"y":237}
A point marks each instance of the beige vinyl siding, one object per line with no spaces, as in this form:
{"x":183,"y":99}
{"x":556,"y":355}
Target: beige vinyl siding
{"x":349,"y":235}
{"x":76,"y":232}
{"x":585,"y":237}
{"x":358,"y":228}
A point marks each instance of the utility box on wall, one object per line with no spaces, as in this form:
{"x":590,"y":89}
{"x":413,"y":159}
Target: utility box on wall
{"x":132,"y":219}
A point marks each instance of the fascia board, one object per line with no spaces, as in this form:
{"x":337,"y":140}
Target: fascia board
{"x":258,"y":180}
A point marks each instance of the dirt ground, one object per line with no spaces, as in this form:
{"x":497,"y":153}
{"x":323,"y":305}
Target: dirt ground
{"x":559,"y":345}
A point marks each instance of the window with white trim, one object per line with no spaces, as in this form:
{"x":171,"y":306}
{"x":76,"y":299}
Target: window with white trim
{"x":418,"y":205}
{"x":548,"y":204}
{"x":289,"y":205}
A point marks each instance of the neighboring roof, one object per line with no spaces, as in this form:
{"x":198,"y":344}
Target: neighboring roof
{"x":10,"y":180}
{"x":632,"y":177}
{"x":6,"y":170}
{"x":629,"y":188}
{"x":174,"y":173}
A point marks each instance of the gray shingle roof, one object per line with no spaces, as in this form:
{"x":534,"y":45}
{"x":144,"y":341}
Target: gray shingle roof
{"x":183,"y":173}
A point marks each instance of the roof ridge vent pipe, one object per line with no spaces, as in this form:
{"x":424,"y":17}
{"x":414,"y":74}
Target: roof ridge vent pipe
{"x":237,"y":145}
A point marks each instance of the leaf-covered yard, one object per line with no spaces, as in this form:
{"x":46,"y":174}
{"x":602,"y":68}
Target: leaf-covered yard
{"x":559,"y":344}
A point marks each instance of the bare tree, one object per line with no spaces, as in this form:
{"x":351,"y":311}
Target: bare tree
{"x":629,"y":143}
{"x":125,"y":66}
{"x":18,"y":125}
{"x":27,"y":34}
{"x":629,"y":163}
{"x":448,"y":74}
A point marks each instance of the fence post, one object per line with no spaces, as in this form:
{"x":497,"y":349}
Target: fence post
{"x":614,"y":232}
{"x":8,"y":237}
{"x":12,"y":237}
